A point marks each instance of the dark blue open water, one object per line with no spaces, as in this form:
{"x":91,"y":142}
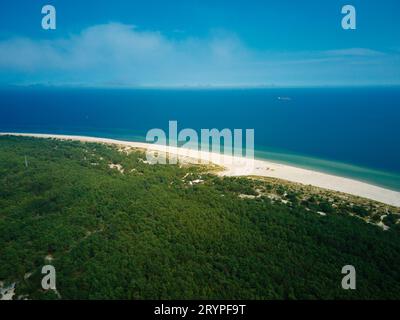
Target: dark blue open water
{"x":352,"y":132}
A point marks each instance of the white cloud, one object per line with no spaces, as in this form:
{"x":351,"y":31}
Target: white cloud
{"x":121,"y":54}
{"x":362,"y":52}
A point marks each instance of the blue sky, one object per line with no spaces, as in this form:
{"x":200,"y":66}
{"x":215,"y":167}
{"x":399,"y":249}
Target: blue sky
{"x":200,"y":43}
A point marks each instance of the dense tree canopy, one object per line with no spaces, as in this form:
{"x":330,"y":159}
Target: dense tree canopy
{"x":139,"y":231}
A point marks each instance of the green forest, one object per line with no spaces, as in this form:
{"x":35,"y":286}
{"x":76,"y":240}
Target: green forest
{"x":115,"y":227}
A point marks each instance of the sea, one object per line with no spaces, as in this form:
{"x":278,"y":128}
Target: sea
{"x":352,"y":132}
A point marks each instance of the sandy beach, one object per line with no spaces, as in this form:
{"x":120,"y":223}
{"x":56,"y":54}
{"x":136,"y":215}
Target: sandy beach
{"x":238,"y":166}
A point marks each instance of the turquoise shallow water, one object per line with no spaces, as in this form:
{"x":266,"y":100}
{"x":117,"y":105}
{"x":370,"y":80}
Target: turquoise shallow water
{"x":377,"y":177}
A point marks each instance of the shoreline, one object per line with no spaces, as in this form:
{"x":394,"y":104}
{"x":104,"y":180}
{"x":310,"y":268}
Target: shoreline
{"x":338,"y":168}
{"x":238,"y":166}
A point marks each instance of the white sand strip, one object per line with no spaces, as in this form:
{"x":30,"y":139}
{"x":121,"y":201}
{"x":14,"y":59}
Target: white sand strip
{"x":237,"y":166}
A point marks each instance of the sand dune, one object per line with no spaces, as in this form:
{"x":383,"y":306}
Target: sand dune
{"x":236,"y":166}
